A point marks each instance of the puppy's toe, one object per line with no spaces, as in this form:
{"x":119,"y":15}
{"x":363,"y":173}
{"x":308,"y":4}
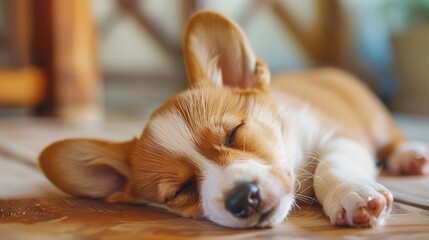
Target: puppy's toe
{"x":410,"y":158}
{"x":364,"y":215}
{"x":418,"y":166}
{"x":359,"y":206}
{"x":341,"y":218}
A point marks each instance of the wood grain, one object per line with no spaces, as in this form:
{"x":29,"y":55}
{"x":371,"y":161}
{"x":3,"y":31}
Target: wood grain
{"x":71,"y":218}
{"x":412,"y":190}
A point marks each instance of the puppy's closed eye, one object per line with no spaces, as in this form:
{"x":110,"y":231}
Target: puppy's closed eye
{"x":230,"y":138}
{"x":187,"y":187}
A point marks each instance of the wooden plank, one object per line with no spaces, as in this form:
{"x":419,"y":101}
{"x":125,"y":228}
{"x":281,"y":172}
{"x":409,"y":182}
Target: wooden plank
{"x":75,"y":210}
{"x":54,"y":218}
{"x":24,"y":87}
{"x":413,"y":190}
{"x":17,"y":138}
{"x":13,"y":185}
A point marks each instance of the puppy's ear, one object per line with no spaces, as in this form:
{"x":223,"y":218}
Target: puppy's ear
{"x":217,"y":52}
{"x":90,"y":168}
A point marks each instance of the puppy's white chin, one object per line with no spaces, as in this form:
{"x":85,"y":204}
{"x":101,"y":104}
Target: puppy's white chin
{"x":278,"y":214}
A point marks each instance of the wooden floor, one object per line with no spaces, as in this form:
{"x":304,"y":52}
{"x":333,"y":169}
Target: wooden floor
{"x":69,"y":218}
{"x":31,"y":208}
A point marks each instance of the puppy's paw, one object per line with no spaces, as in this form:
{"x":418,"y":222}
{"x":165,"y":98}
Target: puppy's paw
{"x":358,"y":205}
{"x":411,"y":158}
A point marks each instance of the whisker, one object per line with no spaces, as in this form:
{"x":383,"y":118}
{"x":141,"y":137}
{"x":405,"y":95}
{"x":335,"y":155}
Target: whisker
{"x":309,"y":201}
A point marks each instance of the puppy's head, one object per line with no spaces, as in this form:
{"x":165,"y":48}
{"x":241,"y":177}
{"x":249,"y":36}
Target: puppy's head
{"x":218,"y":150}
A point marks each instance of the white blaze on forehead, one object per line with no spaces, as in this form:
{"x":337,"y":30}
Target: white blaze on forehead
{"x":172,"y":133}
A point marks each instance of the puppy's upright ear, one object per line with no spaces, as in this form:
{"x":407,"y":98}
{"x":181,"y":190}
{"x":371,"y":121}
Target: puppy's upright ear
{"x":217,"y":52}
{"x":89,"y":168}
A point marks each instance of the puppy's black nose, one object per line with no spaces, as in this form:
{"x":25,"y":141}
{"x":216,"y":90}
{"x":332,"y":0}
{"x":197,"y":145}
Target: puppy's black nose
{"x":243,"y":200}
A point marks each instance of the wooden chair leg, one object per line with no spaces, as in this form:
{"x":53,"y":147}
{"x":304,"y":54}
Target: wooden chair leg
{"x":64,"y":47}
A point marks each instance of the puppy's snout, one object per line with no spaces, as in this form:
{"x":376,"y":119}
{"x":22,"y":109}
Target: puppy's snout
{"x":243,"y":200}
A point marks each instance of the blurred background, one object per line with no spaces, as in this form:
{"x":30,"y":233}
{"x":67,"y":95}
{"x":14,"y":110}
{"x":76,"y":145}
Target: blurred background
{"x":80,"y":60}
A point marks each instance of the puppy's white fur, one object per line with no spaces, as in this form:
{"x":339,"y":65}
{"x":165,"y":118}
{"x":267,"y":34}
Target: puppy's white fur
{"x":171,"y":132}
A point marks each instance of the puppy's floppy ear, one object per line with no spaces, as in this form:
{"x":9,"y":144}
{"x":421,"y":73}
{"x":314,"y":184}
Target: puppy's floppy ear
{"x":90,"y":168}
{"x":217,"y":52}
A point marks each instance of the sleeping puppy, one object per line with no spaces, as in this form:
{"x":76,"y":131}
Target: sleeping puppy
{"x":239,"y":151}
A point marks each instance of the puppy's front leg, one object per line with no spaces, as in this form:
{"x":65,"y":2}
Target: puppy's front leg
{"x":344,"y":184}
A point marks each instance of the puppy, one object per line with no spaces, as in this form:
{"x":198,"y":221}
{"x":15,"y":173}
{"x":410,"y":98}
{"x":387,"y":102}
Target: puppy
{"x":239,"y":151}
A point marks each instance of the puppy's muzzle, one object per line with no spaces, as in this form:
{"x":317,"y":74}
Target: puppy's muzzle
{"x":243,"y":200}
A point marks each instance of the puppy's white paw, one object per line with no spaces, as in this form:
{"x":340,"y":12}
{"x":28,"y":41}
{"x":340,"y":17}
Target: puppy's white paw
{"x":411,"y":158}
{"x":357,"y":205}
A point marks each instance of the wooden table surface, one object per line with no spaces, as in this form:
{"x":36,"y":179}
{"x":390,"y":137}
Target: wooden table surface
{"x":31,"y":208}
